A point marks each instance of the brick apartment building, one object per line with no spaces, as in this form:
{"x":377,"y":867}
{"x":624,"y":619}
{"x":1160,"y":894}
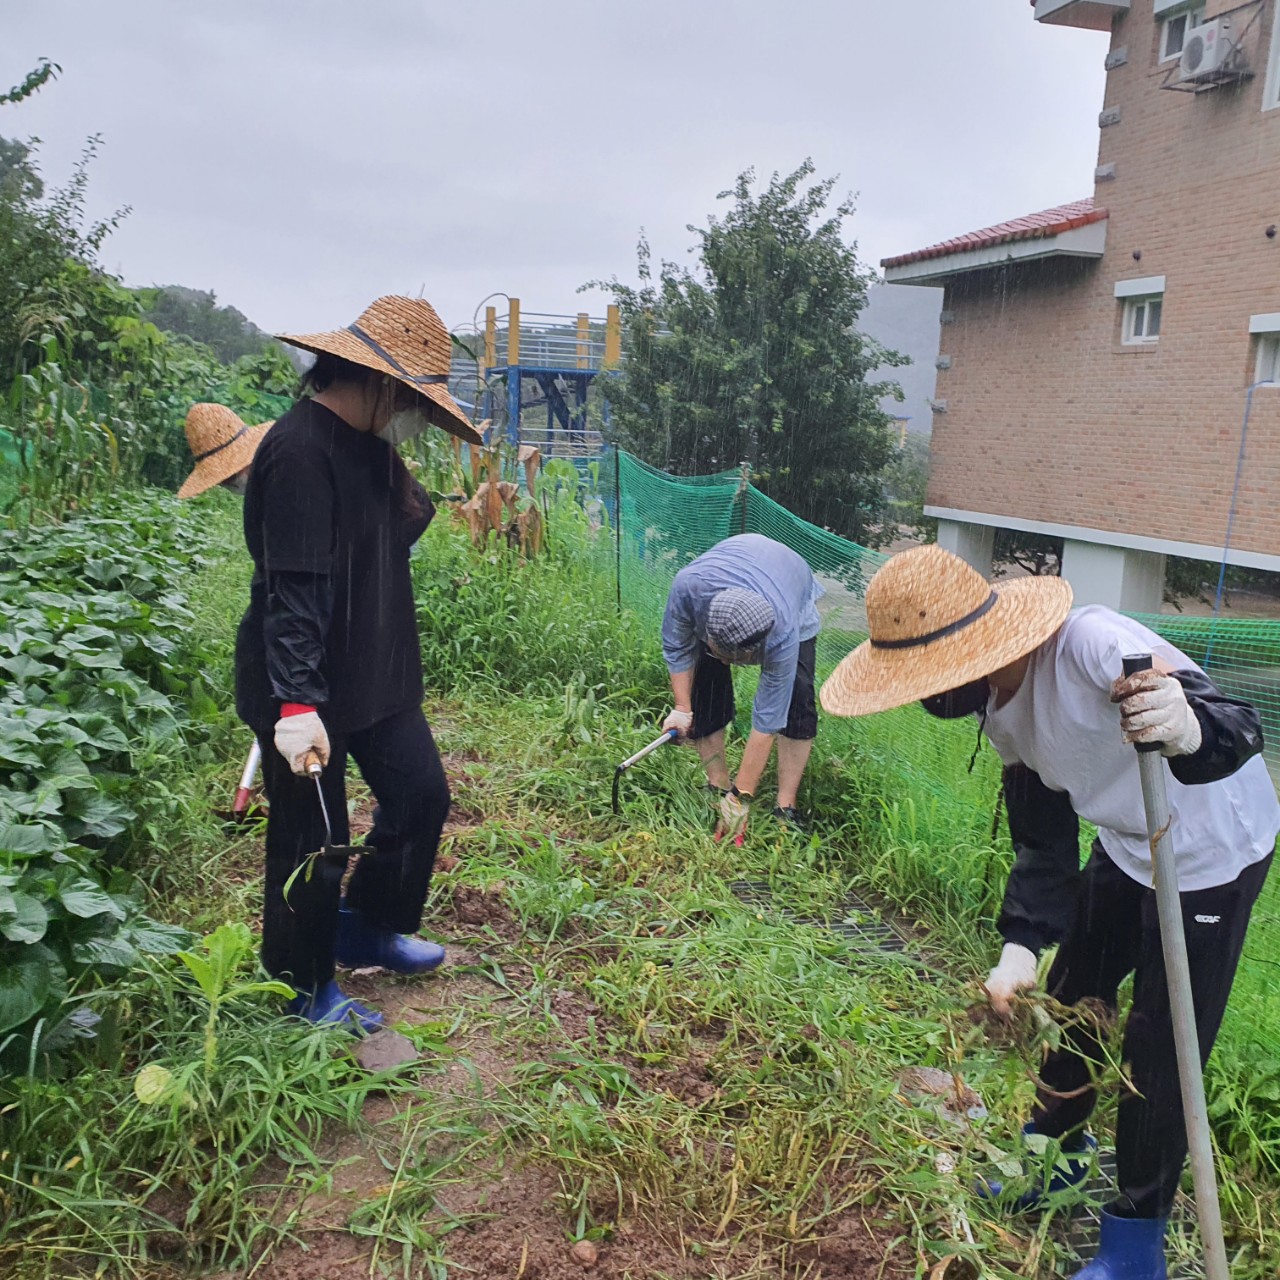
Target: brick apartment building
{"x":1096,"y":358}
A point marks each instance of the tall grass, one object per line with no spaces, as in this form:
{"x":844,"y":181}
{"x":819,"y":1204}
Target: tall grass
{"x":148,"y":1151}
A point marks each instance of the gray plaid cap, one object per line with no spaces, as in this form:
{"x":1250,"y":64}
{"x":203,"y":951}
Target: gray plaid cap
{"x":738,"y":619}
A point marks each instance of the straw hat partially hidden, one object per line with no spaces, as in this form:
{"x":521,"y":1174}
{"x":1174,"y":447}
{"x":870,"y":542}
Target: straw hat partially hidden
{"x":936,"y":624}
{"x":405,"y":338}
{"x":221,"y":444}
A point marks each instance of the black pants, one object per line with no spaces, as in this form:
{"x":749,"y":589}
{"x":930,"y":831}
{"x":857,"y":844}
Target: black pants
{"x":398,"y":759}
{"x":1117,"y":932}
{"x":713,"y":704}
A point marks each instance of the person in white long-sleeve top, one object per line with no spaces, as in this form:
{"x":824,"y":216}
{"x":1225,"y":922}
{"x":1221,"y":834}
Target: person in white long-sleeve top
{"x":1046,"y":684}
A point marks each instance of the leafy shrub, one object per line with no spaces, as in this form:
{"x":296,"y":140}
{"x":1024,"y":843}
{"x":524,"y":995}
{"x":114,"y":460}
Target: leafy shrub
{"x":532,"y":625}
{"x":92,"y":652}
{"x":182,"y":1134}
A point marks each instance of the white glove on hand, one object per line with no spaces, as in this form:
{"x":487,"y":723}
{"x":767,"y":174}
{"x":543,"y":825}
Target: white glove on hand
{"x":1015,"y":972}
{"x":298,"y":736}
{"x":1154,"y":708}
{"x":681,"y":721}
{"x":734,"y":812}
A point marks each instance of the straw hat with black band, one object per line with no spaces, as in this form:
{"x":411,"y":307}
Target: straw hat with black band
{"x":937,"y":624}
{"x":405,"y":339}
{"x":221,"y":444}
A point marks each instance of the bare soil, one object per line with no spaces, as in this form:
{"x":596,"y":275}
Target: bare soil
{"x":506,"y":1215}
{"x":511,"y":1218}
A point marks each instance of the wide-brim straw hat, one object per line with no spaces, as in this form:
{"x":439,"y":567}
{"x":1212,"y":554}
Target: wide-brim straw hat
{"x":406,"y":339}
{"x":221,"y":444}
{"x":936,"y":624}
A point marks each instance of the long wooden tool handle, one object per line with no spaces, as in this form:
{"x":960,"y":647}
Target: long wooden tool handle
{"x":1173,"y":939}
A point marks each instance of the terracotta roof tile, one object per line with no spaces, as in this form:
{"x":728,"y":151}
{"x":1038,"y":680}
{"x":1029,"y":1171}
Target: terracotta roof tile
{"x":1048,"y":222}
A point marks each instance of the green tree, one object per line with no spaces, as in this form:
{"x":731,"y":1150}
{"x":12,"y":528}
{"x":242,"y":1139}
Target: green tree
{"x":38,"y":238}
{"x":754,"y":356}
{"x":17,"y":171}
{"x":1037,"y":554}
{"x":905,"y":481}
{"x":196,"y":314}
{"x":34,"y":81}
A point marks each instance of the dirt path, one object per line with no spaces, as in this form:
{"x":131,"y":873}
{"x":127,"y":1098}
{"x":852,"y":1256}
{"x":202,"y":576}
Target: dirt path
{"x":501,"y":1211}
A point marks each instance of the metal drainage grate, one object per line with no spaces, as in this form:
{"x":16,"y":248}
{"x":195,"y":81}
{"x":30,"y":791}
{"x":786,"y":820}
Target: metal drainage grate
{"x":858,"y":924}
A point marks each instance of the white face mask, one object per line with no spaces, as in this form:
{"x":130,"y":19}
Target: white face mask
{"x":404,"y":425}
{"x":237,"y":484}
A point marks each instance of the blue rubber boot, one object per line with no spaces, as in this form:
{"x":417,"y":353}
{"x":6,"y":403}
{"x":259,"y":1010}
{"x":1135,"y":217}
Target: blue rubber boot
{"x":327,"y":1006}
{"x":1072,"y":1167}
{"x":361,"y":943}
{"x":1128,"y":1249}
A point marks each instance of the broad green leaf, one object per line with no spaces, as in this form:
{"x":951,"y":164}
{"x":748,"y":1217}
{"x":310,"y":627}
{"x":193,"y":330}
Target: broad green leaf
{"x":68,"y":772}
{"x":105,"y":953}
{"x":101,"y":732}
{"x":100,"y":661}
{"x":24,"y":668}
{"x":96,"y":815}
{"x":29,"y":921}
{"x":86,"y":899}
{"x":27,"y":840}
{"x":156,"y":938}
{"x":267,"y":988}
{"x":18,"y":754}
{"x":27,"y":979}
{"x":202,"y":971}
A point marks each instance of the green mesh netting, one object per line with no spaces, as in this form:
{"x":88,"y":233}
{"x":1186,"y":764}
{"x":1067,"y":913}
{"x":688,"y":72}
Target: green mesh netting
{"x":930,"y":840}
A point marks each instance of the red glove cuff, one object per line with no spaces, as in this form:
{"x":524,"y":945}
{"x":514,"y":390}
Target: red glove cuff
{"x":294,"y":709}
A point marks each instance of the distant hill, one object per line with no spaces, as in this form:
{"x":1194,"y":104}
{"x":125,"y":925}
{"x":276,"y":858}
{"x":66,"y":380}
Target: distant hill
{"x":905,"y":318}
{"x":196,"y":313}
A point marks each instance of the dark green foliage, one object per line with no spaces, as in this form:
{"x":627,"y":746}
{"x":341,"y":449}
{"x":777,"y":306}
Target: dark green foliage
{"x":34,"y":81}
{"x":755,"y":356}
{"x":17,"y":171}
{"x":195,"y":314}
{"x":532,"y":625}
{"x":92,"y":661}
{"x":1033,"y":553}
{"x":97,"y":392}
{"x":905,"y":481}
{"x":38,"y":237}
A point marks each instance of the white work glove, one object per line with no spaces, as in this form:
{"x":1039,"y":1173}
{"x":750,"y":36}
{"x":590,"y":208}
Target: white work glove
{"x":1154,"y":708}
{"x":297,"y":736}
{"x":681,"y":721}
{"x":735,"y":809}
{"x":1016,"y":972}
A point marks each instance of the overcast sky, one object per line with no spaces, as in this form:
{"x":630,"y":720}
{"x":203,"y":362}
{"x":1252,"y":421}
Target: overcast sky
{"x":301,"y":157}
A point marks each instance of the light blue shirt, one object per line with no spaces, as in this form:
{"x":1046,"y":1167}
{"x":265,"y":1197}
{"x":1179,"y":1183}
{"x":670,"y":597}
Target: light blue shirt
{"x":754,"y":563}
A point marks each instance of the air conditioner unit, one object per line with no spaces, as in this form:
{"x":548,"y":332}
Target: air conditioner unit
{"x":1209,"y":53}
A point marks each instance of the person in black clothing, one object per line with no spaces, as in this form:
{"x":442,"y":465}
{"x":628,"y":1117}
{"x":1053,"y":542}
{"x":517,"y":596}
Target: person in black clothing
{"x":327,"y":655}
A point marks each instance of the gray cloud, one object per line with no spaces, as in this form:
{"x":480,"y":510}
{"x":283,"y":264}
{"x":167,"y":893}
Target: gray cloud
{"x":302,"y":156}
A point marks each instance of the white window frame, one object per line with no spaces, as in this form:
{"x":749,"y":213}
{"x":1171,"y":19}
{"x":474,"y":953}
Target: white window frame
{"x":1266,"y":331}
{"x":1139,"y":293}
{"x":1271,"y":90}
{"x":1137,"y":320}
{"x":1267,"y":371}
{"x":1190,"y":16}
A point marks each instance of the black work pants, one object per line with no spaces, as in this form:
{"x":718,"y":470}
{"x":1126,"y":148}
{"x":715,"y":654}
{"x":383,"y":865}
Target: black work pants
{"x":398,"y":759}
{"x":1117,"y":932}
{"x":713,"y":705}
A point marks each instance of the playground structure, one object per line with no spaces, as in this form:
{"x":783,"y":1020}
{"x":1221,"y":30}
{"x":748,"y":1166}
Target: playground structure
{"x":520,"y":367}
